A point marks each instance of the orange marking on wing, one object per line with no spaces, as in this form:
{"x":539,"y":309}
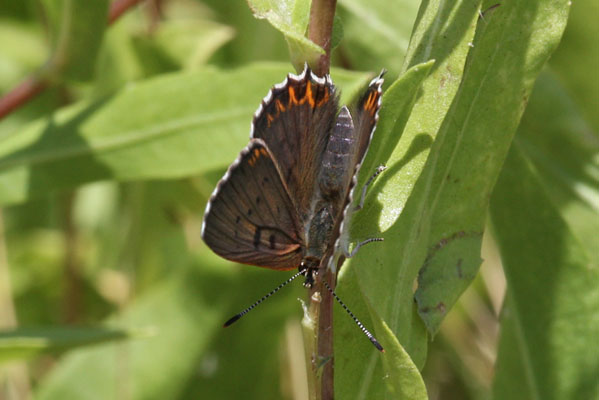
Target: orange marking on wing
{"x":308,"y":95}
{"x":279,"y":105}
{"x":270,"y":119}
{"x":292,"y":98}
{"x":263,"y":151}
{"x":325,"y":97}
{"x":370,"y":104}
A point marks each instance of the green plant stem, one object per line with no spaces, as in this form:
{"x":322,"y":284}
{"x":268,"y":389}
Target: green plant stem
{"x":320,"y":29}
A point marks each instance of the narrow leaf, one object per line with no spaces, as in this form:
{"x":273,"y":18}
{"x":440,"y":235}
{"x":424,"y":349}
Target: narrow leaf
{"x":26,"y":343}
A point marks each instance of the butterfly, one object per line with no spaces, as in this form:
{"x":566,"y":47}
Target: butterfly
{"x":285,"y":201}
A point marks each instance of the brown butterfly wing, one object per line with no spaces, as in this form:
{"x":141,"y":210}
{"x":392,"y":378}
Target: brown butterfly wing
{"x":295,"y":120}
{"x":250,"y":217}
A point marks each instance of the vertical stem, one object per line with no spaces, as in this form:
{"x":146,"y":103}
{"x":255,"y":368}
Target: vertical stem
{"x":318,"y":336}
{"x":320,"y":29}
{"x":325,"y":335}
{"x":318,"y":321}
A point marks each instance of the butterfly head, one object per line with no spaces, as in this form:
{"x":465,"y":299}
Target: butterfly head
{"x":309,"y":268}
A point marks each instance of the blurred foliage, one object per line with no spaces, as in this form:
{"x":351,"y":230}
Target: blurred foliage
{"x":107,"y":291}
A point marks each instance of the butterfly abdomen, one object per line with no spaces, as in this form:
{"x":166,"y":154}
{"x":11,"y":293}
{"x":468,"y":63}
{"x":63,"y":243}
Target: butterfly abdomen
{"x":337,"y":161}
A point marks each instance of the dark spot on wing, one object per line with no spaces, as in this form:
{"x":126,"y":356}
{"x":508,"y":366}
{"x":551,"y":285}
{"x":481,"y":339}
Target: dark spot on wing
{"x":257,"y":234}
{"x":258,"y":200}
{"x":237,"y":219}
{"x":271,"y":240}
{"x":249,"y":212}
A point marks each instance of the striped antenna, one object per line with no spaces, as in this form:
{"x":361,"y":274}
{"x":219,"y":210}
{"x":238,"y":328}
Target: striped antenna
{"x":356,"y":320}
{"x":275,"y":290}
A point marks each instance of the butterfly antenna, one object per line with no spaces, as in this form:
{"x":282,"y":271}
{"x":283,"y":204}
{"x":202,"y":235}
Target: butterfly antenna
{"x":356,"y":320}
{"x":250,"y":308}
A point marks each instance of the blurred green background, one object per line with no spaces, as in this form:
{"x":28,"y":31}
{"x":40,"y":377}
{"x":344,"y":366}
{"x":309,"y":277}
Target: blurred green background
{"x":121,"y":258}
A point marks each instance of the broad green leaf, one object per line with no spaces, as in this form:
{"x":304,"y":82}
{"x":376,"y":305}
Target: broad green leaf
{"x":76,"y":28}
{"x":545,"y":216}
{"x":386,"y":271}
{"x":398,"y":101}
{"x":471,"y":146}
{"x":25,"y":343}
{"x":291,"y":18}
{"x":167,"y":127}
{"x":376,"y":33}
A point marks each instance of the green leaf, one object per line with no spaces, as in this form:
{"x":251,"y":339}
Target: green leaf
{"x":387,"y":270}
{"x":471,"y":146}
{"x":77,"y":28}
{"x":403,"y":380}
{"x":544,"y":215}
{"x":396,"y":376}
{"x":25,"y":343}
{"x":290,"y":17}
{"x":351,"y":349}
{"x":165,"y":127}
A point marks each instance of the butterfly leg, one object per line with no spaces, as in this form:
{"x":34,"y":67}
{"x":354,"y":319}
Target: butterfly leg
{"x":380,"y":169}
{"x":350,"y":254}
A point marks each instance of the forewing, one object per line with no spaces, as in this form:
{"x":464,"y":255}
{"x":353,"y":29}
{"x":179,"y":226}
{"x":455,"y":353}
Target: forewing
{"x":250,"y":217}
{"x":295,"y":120}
